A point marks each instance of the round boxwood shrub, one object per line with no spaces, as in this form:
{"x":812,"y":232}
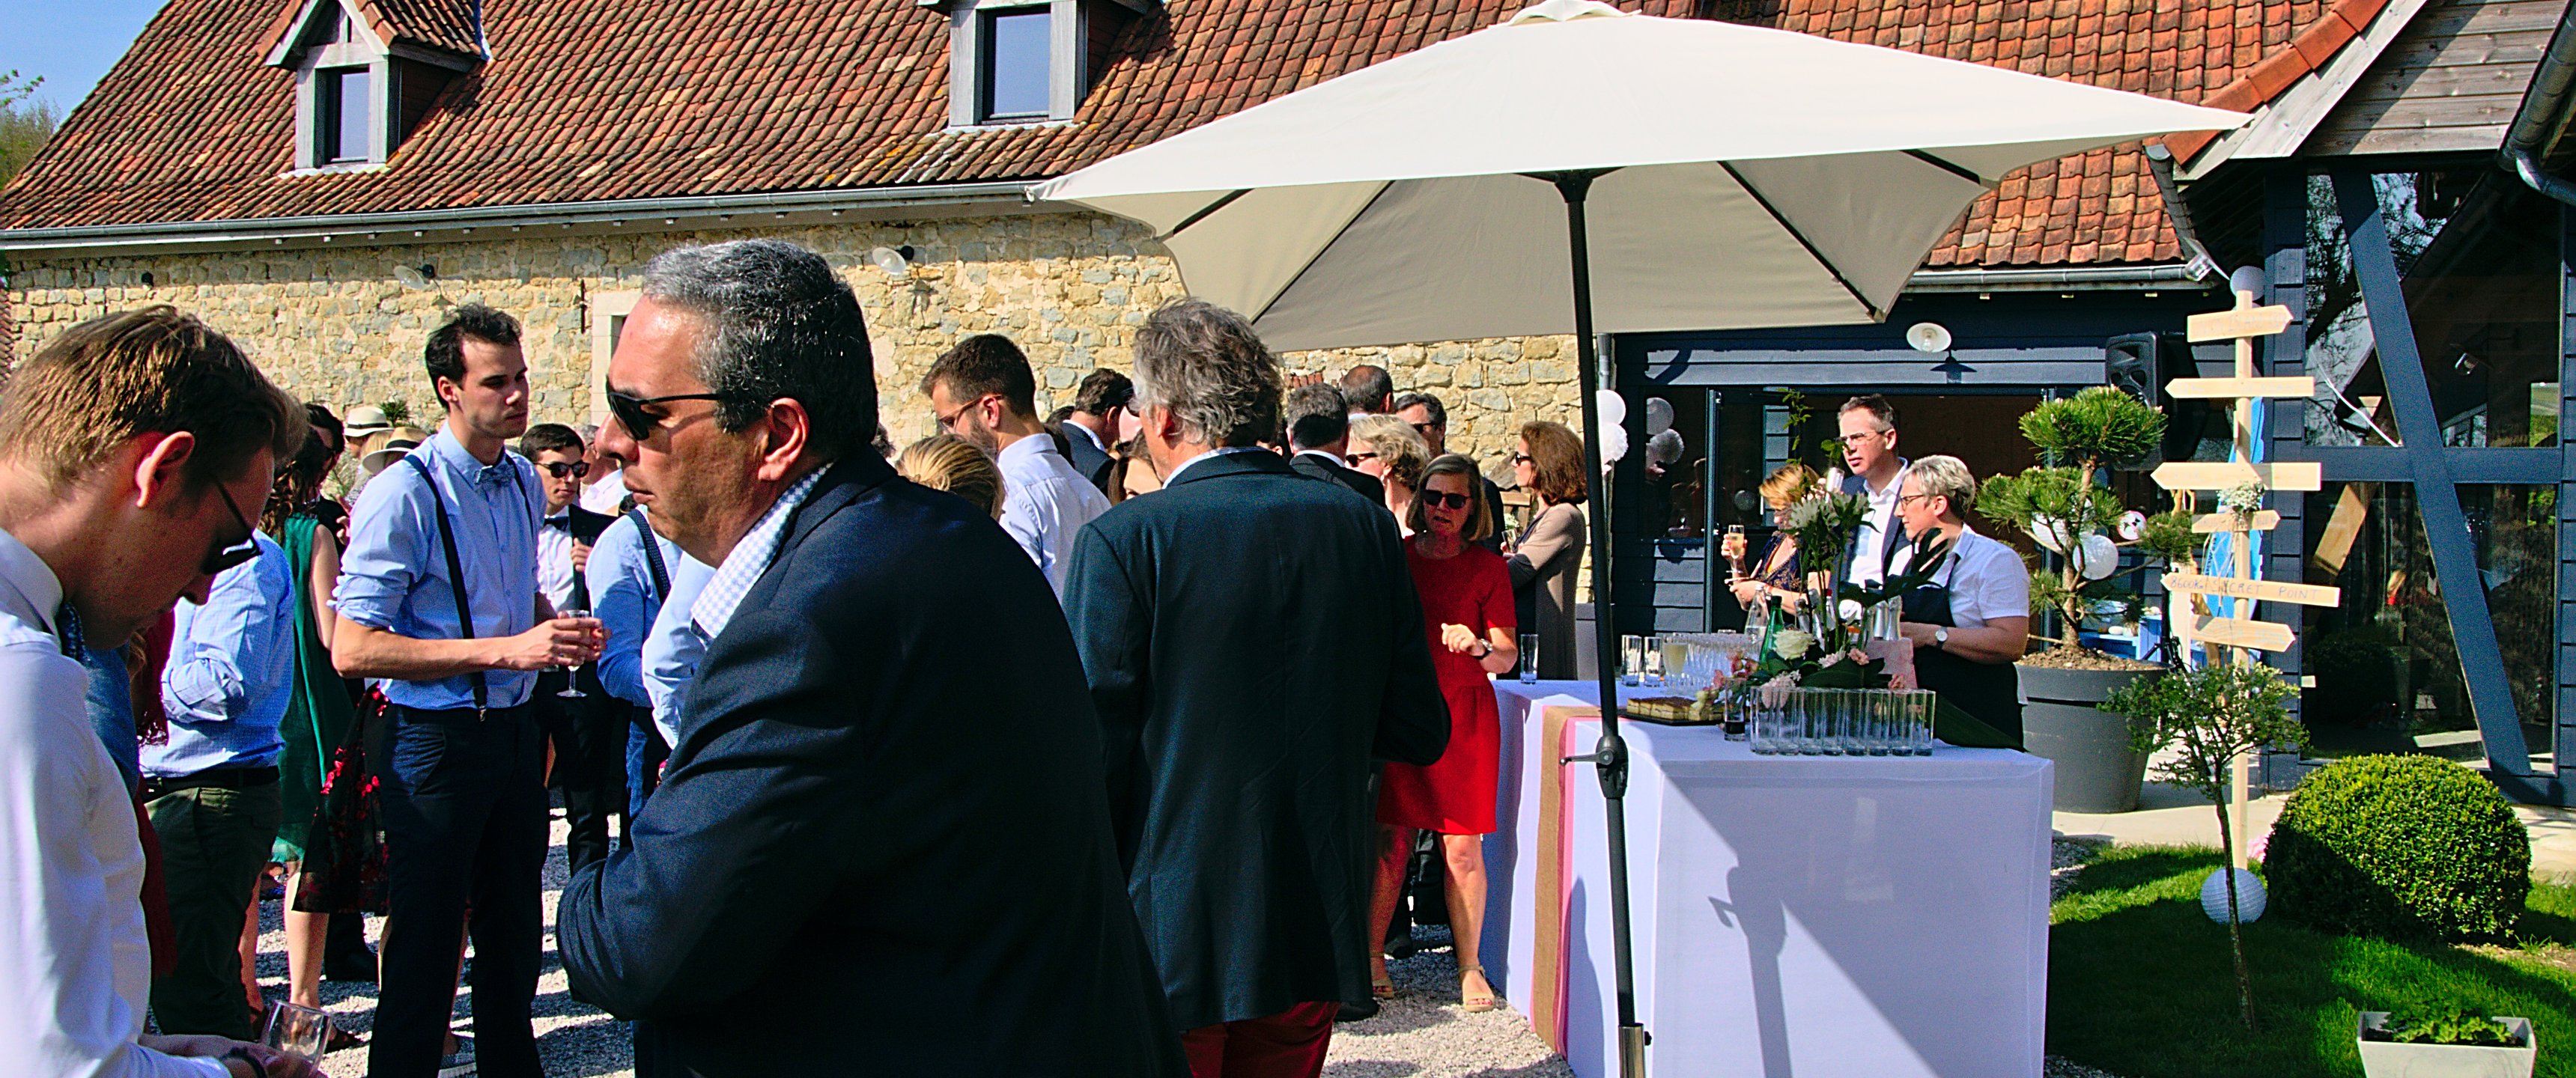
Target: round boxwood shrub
{"x":2403,"y":847}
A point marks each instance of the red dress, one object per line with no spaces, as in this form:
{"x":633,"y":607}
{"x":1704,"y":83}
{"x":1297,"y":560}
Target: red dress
{"x":1456,"y":795}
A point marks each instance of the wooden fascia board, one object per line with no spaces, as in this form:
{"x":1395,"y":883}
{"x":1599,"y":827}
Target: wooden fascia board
{"x":2282,"y":125}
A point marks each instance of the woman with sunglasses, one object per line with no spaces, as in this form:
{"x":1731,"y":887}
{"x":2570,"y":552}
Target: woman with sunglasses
{"x":1467,"y":612}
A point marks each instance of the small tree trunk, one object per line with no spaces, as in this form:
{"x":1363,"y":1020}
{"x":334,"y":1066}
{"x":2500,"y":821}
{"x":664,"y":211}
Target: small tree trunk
{"x":2235,"y":934}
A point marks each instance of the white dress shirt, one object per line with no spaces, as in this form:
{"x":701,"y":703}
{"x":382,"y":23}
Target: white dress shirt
{"x":1987,"y":580}
{"x":1044,"y":502}
{"x":603,"y":497}
{"x":78,"y":965}
{"x":1866,"y":568}
{"x":554,"y":558}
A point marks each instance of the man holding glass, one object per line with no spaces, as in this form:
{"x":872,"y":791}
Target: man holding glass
{"x":439,"y":604}
{"x":586,"y":727}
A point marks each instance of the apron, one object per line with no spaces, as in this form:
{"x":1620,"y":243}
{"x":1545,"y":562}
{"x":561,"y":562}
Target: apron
{"x":1991,"y":692}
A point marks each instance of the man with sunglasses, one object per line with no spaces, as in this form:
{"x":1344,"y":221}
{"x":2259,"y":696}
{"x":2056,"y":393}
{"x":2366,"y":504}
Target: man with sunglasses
{"x":439,"y":605}
{"x":1429,"y":418}
{"x":211,"y":787}
{"x":588,"y":731}
{"x":128,"y":446}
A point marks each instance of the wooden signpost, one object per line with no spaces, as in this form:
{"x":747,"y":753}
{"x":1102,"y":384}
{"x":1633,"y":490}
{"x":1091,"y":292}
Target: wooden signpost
{"x":2190,"y":620}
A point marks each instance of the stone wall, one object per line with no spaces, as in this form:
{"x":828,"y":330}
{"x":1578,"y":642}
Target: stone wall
{"x":336,"y":324}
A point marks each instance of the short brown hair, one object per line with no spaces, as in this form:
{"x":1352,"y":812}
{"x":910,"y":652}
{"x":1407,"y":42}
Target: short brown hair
{"x":953,"y":464}
{"x":1790,"y":484}
{"x":1480,"y":517}
{"x":1556,"y":457}
{"x":986,"y":363}
{"x":1877,"y":407}
{"x":153,"y":370}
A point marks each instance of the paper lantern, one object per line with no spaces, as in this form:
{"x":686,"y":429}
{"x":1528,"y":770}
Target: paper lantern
{"x":2052,"y":533}
{"x":2249,"y":897}
{"x":2100,"y":557}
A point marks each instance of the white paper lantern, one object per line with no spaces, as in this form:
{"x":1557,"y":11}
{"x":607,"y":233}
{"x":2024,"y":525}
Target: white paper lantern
{"x":2249,"y":897}
{"x":2100,"y":556}
{"x":1612,"y":437}
{"x":2132,"y":524}
{"x":2051,"y":532}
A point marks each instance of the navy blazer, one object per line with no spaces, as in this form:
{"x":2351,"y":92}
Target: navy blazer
{"x":881,"y":846}
{"x":1352,"y":479}
{"x":1092,"y":461}
{"x":1253,"y":641}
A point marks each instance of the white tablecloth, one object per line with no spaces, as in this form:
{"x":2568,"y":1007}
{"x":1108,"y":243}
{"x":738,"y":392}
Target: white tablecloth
{"x":1806,"y":916}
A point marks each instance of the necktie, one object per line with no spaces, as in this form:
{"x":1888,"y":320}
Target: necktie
{"x":67,"y":629}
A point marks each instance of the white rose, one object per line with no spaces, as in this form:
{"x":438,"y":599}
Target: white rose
{"x":1792,"y":643}
{"x":1851,"y":610}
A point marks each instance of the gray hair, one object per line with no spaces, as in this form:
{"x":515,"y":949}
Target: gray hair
{"x":1207,"y":365}
{"x":1946,"y":477}
{"x":1403,"y":452}
{"x":780,"y":324}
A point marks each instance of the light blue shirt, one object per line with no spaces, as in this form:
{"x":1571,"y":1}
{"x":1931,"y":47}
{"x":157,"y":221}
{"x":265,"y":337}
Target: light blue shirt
{"x":1044,"y":503}
{"x":394,"y":575}
{"x":231,"y":670}
{"x":672,"y":650}
{"x":623,"y":598}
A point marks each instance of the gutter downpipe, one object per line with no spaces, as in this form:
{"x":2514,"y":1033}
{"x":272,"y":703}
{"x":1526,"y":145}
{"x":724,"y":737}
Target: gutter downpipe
{"x":2543,"y":116}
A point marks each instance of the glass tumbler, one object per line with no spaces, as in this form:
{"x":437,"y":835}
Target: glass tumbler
{"x":1879,"y":729}
{"x":302,"y":1032}
{"x":1529,"y":658}
{"x":1650,"y":660}
{"x":1632,"y":659}
{"x":1920,"y":705}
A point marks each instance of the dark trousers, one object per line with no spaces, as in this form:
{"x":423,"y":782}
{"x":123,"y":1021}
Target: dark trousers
{"x":1289,"y":1044}
{"x":589,"y":735}
{"x":214,"y":843}
{"x":645,"y":752}
{"x":465,"y":828}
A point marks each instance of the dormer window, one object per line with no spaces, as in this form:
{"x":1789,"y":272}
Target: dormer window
{"x":1025,"y":61}
{"x":361,"y":87}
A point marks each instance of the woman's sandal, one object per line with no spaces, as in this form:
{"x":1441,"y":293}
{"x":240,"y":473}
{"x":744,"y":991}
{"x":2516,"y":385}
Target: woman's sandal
{"x":1382,"y":988}
{"x":1481,"y":1002}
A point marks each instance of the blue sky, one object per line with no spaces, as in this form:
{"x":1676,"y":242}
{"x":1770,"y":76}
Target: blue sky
{"x":69,"y":42}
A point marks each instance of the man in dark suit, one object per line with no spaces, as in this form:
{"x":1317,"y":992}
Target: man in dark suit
{"x":1252,"y":640}
{"x":1092,"y":426}
{"x":887,"y":737}
{"x":1874,"y":471}
{"x":1319,"y":432}
{"x":588,"y":733}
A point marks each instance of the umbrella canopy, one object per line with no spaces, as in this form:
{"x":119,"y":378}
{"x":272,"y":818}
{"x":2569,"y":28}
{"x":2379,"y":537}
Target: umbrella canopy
{"x":1764,"y":178}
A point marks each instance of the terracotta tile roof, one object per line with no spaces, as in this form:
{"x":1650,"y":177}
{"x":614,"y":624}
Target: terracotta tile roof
{"x":611,"y":99}
{"x":446,"y":25}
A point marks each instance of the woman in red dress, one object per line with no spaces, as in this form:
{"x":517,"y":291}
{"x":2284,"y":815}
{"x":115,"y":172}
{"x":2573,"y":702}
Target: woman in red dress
{"x":1467,"y":611}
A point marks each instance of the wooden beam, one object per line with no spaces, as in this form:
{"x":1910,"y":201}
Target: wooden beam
{"x":2228,"y":632}
{"x":2219,"y":388}
{"x":2214,"y":523}
{"x":2266,"y":590}
{"x":2221,"y":475}
{"x":2230,"y":325}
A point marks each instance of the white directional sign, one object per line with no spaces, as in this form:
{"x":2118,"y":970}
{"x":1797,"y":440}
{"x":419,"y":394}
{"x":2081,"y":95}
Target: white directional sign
{"x":2265,"y":590}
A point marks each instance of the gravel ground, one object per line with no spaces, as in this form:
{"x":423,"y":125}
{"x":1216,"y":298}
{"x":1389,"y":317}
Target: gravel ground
{"x":1422,"y":1034}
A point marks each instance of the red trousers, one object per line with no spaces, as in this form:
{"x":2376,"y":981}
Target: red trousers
{"x":1289,"y":1044}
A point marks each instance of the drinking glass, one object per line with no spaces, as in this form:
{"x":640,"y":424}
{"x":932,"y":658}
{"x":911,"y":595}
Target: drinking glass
{"x":1735,"y":709}
{"x":1632,"y":659}
{"x":1529,"y":658}
{"x":1768,"y":723}
{"x":302,"y":1032}
{"x":1920,"y":705}
{"x":1804,"y":710}
{"x":572,"y":674}
{"x":1650,"y":653}
{"x":1682,"y":658}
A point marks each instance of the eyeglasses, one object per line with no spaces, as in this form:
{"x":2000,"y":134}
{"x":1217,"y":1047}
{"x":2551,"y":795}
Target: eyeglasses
{"x":1439,"y":500}
{"x":573,"y":468}
{"x":1520,"y":458}
{"x":1424,"y":429}
{"x":641,"y":424}
{"x":1878,"y":434}
{"x":219,"y":560}
{"x":1902,"y":499}
{"x":1358,"y":457}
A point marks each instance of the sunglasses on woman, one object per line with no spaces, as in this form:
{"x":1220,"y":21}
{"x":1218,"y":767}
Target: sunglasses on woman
{"x":562,"y":468}
{"x":1439,"y":500}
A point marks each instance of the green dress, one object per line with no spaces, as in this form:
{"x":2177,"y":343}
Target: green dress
{"x":319,"y":712}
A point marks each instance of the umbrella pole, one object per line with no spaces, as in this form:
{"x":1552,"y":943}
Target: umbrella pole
{"x":1609,"y":757}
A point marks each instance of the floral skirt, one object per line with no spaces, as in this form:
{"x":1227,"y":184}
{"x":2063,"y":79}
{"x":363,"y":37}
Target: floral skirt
{"x":344,"y":855}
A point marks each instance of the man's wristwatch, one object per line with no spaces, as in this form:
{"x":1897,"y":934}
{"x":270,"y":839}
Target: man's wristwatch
{"x":1940,"y":636}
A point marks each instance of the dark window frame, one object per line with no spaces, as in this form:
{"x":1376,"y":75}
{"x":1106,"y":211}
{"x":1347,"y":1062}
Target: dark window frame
{"x":330,"y":104}
{"x":987,"y":63}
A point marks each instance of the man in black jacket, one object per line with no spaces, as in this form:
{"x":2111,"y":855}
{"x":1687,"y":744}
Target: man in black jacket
{"x":588,"y":732}
{"x":1091,"y":427}
{"x":1253,"y":640}
{"x":887,"y":737}
{"x":1319,"y":432}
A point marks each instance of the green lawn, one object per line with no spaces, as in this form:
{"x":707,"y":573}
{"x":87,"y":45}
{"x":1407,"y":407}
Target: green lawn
{"x":2139,"y":981}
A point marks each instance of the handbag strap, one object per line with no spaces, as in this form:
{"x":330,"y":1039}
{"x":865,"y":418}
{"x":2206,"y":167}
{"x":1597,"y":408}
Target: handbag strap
{"x":455,"y":575}
{"x":652,"y":556}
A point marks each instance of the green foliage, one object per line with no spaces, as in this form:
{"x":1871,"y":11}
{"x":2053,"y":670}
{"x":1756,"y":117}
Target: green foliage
{"x":2401,"y":847}
{"x":2455,"y":1025}
{"x":2169,"y":539}
{"x":2099,"y":427}
{"x":24,"y":125}
{"x":2206,"y":718}
{"x":1824,"y":525}
{"x":396,"y":412}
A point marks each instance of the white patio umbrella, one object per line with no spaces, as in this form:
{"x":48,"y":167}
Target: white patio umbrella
{"x":1719,"y":177}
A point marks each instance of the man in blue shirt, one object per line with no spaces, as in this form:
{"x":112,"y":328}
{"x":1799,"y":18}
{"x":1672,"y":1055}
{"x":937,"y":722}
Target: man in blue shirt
{"x":439,"y":600}
{"x":212,"y":787}
{"x":631,"y":577}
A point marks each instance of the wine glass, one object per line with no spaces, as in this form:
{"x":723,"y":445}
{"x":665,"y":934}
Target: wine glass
{"x":299,"y":1031}
{"x":572,"y":674}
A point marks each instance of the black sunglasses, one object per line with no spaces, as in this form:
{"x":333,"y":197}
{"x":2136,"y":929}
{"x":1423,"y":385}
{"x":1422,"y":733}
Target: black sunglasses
{"x":641,"y":424}
{"x":562,"y":468}
{"x":218,"y":561}
{"x":1358,"y":457}
{"x":1448,"y":501}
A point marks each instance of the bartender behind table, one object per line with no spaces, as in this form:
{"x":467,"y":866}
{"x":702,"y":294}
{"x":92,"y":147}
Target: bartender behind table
{"x":1973,"y":619}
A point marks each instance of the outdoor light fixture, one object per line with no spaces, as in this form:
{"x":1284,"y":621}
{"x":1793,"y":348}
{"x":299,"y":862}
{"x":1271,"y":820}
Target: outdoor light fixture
{"x":895,"y":261}
{"x":1929,"y":338}
{"x":416,"y":276}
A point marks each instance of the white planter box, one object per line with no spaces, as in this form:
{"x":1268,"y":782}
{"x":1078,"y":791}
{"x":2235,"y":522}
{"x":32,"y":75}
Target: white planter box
{"x":2383,"y":1059}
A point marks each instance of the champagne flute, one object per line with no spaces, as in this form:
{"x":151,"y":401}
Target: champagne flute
{"x":572,"y":674}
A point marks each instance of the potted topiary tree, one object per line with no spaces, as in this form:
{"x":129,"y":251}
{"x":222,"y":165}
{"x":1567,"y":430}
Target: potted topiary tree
{"x":2069,"y":511}
{"x":2208,"y":717}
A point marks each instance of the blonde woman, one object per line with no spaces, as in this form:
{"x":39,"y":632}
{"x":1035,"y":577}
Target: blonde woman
{"x":1775,"y":576}
{"x":953,"y":464}
{"x":1387,"y":449}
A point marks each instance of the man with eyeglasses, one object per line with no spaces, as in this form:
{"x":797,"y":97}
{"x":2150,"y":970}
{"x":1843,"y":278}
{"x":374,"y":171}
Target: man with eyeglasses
{"x":587,"y":731}
{"x":440,"y":606}
{"x":982,"y":390}
{"x":128,"y":446}
{"x":1872,"y":470}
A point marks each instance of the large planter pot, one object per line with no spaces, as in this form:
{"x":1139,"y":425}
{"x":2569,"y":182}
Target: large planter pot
{"x":2097,"y":770}
{"x":2382,"y":1059}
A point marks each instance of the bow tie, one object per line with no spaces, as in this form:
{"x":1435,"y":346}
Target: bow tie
{"x":562,"y":523}
{"x":67,"y":628}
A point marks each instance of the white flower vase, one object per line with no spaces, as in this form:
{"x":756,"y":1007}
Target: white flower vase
{"x":2250,"y":898}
